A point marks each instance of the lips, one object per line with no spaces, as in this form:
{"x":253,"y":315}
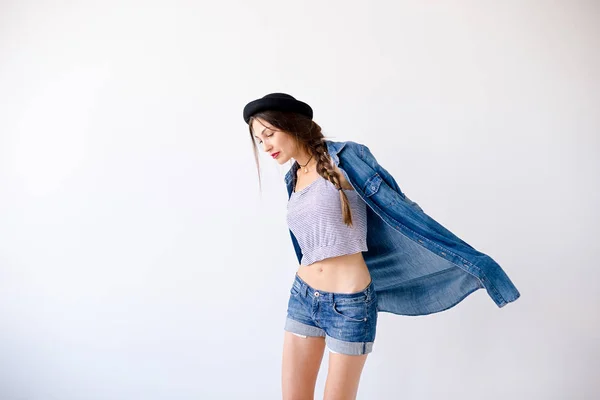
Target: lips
{"x":274,"y":155}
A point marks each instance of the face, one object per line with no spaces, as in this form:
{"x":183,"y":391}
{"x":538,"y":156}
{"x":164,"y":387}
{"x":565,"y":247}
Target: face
{"x":273,"y":141}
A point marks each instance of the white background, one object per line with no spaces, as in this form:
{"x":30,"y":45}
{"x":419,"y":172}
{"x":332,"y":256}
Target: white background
{"x":139,"y":260}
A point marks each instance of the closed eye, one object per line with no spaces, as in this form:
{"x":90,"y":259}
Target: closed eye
{"x":260,"y":141}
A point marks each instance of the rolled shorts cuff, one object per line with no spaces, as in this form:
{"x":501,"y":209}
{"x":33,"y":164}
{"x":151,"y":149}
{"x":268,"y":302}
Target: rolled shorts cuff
{"x":348,"y":348}
{"x":334,"y":345}
{"x":300,"y":328}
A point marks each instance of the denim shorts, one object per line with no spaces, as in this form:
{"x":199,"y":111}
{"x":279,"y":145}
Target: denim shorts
{"x":348,"y":321}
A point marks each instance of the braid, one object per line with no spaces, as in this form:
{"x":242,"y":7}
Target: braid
{"x":326,"y":170}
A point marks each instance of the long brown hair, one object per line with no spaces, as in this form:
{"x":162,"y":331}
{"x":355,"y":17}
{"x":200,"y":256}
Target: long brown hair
{"x":308,"y":136}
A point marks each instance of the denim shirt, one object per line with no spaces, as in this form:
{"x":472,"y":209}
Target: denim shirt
{"x":418,"y":267}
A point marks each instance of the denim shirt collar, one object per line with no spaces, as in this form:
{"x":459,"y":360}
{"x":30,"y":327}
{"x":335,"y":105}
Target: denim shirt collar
{"x":333,"y":148}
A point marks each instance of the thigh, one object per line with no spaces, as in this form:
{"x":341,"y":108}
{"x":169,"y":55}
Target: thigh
{"x":302,"y":358}
{"x":343,"y":376}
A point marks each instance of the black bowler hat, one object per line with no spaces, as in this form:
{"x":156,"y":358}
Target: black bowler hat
{"x":277,"y":102}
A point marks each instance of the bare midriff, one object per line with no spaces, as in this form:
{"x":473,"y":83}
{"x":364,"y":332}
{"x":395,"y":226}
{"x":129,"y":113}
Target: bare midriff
{"x":343,"y":274}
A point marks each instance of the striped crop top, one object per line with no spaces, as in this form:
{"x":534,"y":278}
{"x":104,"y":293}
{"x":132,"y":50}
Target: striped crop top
{"x":314,"y":215}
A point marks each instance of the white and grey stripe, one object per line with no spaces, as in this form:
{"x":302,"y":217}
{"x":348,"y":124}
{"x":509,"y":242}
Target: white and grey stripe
{"x":314,"y":215}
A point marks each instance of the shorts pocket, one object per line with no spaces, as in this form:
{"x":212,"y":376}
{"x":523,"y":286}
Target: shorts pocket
{"x":294,"y":291}
{"x":351,"y":311}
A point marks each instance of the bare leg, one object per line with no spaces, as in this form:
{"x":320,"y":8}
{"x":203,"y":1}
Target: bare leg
{"x":300,"y":365}
{"x":343,"y":376}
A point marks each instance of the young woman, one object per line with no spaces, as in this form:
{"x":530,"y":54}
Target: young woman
{"x":363,"y":247}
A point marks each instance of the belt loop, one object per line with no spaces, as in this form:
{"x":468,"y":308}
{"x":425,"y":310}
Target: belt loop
{"x":304,"y":290}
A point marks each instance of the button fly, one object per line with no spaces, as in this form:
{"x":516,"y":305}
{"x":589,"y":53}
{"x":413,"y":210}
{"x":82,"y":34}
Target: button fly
{"x":317,"y":294}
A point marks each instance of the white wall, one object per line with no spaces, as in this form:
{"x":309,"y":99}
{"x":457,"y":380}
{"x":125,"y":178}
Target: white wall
{"x":138,"y":259}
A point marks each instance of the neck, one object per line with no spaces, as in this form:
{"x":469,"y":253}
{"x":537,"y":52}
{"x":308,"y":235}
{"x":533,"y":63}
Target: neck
{"x":304,"y":158}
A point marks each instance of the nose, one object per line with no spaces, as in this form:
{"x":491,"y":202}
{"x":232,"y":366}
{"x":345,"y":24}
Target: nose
{"x":266,"y":147}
